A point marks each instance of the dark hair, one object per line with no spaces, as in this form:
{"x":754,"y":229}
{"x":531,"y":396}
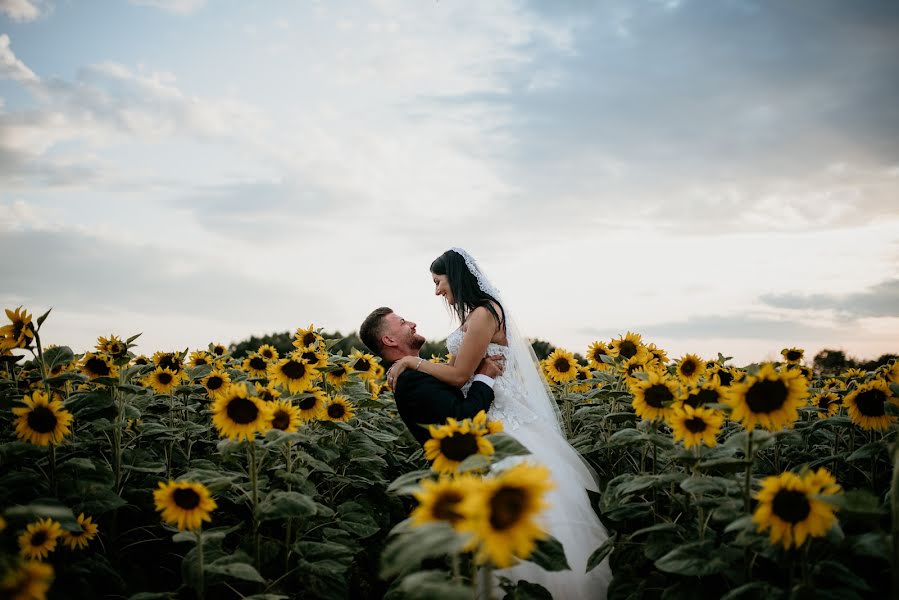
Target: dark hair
{"x":464,"y":285}
{"x":371,"y":329}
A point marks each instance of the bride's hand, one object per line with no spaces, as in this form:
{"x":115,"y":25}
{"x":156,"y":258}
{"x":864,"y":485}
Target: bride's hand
{"x":397,"y":369}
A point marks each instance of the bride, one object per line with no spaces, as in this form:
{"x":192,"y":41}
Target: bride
{"x":528,"y":412}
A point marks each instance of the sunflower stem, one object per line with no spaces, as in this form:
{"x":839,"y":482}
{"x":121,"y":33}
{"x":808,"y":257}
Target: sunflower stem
{"x":747,"y":481}
{"x":255,"y":498}
{"x":201,"y":584}
{"x":484,"y":583}
{"x":457,"y":575}
{"x":777,"y":455}
{"x":288,"y":465}
{"x":894,"y":504}
{"x":53,"y":481}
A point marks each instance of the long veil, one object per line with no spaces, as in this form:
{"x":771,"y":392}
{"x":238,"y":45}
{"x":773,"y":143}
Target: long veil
{"x":539,"y":399}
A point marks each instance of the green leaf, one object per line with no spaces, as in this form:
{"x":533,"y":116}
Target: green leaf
{"x":408,"y":481}
{"x":90,"y":403}
{"x":475,"y":462}
{"x":355,"y":519}
{"x":868,"y":451}
{"x":600,"y":553}
{"x":525,"y":590}
{"x":706,"y":485}
{"x":695,"y":559}
{"x":755,"y":589}
{"x":43,"y":317}
{"x":405,"y":550}
{"x":235,"y":570}
{"x":433,"y":585}
{"x":284,"y":505}
{"x":58,"y":355}
{"x":871,"y":545}
{"x":861,"y":503}
{"x":742,"y":524}
{"x":42,"y":509}
{"x":550,"y":555}
{"x":505,"y":445}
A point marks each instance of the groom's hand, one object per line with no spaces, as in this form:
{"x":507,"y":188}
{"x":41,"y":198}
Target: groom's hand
{"x":491,"y":366}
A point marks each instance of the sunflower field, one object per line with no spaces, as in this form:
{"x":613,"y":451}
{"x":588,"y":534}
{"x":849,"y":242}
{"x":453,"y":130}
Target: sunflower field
{"x":195,"y":474}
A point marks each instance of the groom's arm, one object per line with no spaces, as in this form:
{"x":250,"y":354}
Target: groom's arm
{"x":423,"y":400}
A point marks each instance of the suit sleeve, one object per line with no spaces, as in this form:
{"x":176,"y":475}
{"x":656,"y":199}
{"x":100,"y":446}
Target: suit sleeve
{"x":425,"y":400}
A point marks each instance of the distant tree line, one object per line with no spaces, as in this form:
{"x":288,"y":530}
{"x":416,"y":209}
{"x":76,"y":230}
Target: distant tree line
{"x":833,"y":362}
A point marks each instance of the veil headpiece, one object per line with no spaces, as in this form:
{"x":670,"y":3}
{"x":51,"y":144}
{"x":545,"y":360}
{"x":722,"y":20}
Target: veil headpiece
{"x":538,"y":399}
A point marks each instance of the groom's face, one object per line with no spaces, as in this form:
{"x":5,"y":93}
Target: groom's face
{"x":402,"y":332}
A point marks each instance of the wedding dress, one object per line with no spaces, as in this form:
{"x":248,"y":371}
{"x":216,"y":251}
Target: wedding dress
{"x":520,"y":403}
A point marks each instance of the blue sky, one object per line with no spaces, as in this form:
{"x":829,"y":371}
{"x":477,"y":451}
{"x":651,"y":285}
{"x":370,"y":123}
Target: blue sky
{"x":718,"y":176}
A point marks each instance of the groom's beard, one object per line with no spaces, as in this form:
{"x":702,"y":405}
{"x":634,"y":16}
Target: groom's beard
{"x":417,"y":342}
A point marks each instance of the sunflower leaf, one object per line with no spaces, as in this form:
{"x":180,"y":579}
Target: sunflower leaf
{"x":695,"y":559}
{"x":43,"y":317}
{"x":755,"y":589}
{"x":868,"y":451}
{"x":550,"y":555}
{"x":405,"y":481}
{"x":431,"y":585}
{"x":600,"y":553}
{"x":241,"y":571}
{"x":282,"y":505}
{"x":407,"y":548}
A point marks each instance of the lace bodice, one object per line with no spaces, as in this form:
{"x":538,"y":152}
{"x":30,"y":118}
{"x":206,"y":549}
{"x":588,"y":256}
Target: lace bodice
{"x":509,"y":389}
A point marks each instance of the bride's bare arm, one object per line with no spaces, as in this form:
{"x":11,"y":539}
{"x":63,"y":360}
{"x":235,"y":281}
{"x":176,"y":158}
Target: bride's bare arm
{"x":480,"y":329}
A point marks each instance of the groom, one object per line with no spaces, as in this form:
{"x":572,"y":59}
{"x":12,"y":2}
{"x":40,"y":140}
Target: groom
{"x":421,"y":399}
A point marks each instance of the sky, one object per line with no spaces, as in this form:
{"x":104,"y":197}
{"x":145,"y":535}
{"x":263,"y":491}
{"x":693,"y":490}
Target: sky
{"x":716,"y":176}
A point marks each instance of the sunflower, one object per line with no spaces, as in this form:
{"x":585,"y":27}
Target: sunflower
{"x":30,"y":581}
{"x":218,"y":349}
{"x":307,"y":338}
{"x":657,"y":353}
{"x":141,"y":360}
{"x":163,"y":380}
{"x":769,"y":399}
{"x":584,"y":383}
{"x":640,"y":362}
{"x":833,"y":384}
{"x":866,"y":405}
{"x":441,"y":500}
{"x":19,"y":333}
{"x":216,"y":382}
{"x":338,"y":374}
{"x":653,"y":397}
{"x":113,"y":346}
{"x":376,"y":389}
{"x":707,"y":393}
{"x":60,"y":368}
{"x":312,"y":404}
{"x":255,"y":365}
{"x":39,"y":538}
{"x":339,"y":408}
{"x":268,"y":393}
{"x":292,"y":373}
{"x":504,"y":514}
{"x":2,"y":523}
{"x":268,"y":352}
{"x":626,"y":346}
{"x":237,"y":415}
{"x":695,"y":425}
{"x":79,"y":539}
{"x":436,"y":359}
{"x":595,"y":353}
{"x":854,"y":373}
{"x":315,"y":358}
{"x":185,"y":504}
{"x":98,"y":365}
{"x":793,"y":356}
{"x":198,"y":358}
{"x":480,"y":422}
{"x":42,"y":421}
{"x":724,"y":376}
{"x":690,"y":368}
{"x":561,"y":366}
{"x":285,"y":416}
{"x":827,"y":403}
{"x":452,"y":443}
{"x":362,"y":363}
{"x":168,"y":360}
{"x":789,"y":506}
{"x":892,"y":372}
{"x":377,"y":372}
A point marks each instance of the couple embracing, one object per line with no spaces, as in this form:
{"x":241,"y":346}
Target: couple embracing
{"x":493,"y":368}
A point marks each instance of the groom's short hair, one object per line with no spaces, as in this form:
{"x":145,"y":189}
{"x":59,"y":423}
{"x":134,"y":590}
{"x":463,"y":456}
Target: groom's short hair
{"x":372,"y":329}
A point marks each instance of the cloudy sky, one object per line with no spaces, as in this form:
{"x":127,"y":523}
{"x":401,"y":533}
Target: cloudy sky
{"x":718,"y":176}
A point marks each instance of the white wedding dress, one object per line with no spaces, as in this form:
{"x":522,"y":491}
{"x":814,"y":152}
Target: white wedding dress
{"x":570,"y":517}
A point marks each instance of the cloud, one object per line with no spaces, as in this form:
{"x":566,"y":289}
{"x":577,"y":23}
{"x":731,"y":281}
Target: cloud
{"x":21,"y":11}
{"x":881,"y":300}
{"x":178,"y":7}
{"x":10,"y":66}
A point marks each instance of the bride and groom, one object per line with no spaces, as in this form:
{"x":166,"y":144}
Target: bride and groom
{"x":494,"y":369}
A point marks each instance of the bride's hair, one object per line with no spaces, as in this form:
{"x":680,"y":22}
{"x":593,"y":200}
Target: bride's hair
{"x":466,"y":292}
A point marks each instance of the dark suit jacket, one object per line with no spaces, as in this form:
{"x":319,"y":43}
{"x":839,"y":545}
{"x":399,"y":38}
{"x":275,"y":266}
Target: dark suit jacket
{"x":425,"y":400}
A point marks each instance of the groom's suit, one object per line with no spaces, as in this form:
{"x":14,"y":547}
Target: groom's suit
{"x":425,"y":400}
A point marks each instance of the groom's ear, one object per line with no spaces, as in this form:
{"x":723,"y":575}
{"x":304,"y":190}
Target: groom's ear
{"x":387,"y":341}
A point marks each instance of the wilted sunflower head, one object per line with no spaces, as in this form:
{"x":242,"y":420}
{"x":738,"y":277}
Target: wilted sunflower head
{"x":867,"y":405}
{"x":237,"y":415}
{"x":185,"y":504}
{"x":98,"y":365}
{"x":452,"y":443}
{"x":19,"y":332}
{"x":339,"y":408}
{"x":42,"y":421}
{"x":770,"y":399}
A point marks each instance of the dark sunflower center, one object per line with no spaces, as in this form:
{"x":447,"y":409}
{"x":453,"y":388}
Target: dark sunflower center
{"x":214,"y":383}
{"x":281,"y":420}
{"x":658,"y":395}
{"x":268,"y":354}
{"x":362,"y":365}
{"x":170,"y":362}
{"x":692,"y":400}
{"x":725,"y":378}
{"x":98,"y":366}
{"x":117,"y":349}
{"x":823,"y":402}
{"x":218,"y":350}
{"x":582,"y":375}
{"x":562,"y":365}
{"x":871,"y":403}
{"x":791,"y":506}
{"x":459,"y":446}
{"x":293,"y":369}
{"x":627,"y":349}
{"x":695,"y":425}
{"x":186,"y":499}
{"x":688,"y":367}
{"x":794,"y":355}
{"x":242,"y":411}
{"x":506,"y":507}
{"x":164,"y":378}
{"x":57,"y":369}
{"x":267,"y":395}
{"x":201,"y":361}
{"x":257,"y":363}
{"x":39,"y":538}
{"x":598,"y":354}
{"x":142,"y":361}
{"x":308,"y":403}
{"x":311,"y":356}
{"x":336,"y":410}
{"x":42,"y":419}
{"x":308,"y":339}
{"x":17,"y":328}
{"x":445,"y":506}
{"x":766,"y":396}
{"x":705,"y":396}
{"x":633,"y":367}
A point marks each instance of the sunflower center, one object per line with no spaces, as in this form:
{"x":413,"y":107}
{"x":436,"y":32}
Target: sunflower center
{"x":310,"y":356}
{"x":293,"y":369}
{"x":164,"y":378}
{"x":705,"y":396}
{"x":142,"y":361}
{"x":98,"y":366}
{"x":627,"y":349}
{"x":459,"y":446}
{"x":242,"y":411}
{"x":39,"y":538}
{"x":267,"y":395}
{"x":823,"y":401}
{"x":794,"y":355}
{"x":362,"y":365}
{"x":42,"y":419}
{"x":871,"y":403}
{"x":170,"y":362}
{"x":214,"y":383}
{"x":257,"y":363}
{"x":218,"y":350}
{"x":791,"y":506}
{"x":695,"y":424}
{"x":725,"y":378}
{"x":336,"y":410}
{"x":445,"y":506}
{"x":308,"y":339}
{"x":657,"y":395}
{"x":186,"y":499}
{"x":562,"y":365}
{"x":598,"y":354}
{"x":267,"y":353}
{"x":506,"y":507}
{"x":308,"y":403}
{"x":281,"y":420}
{"x":688,"y":367}
{"x":581,"y":375}
{"x":766,"y":396}
{"x":201,"y":361}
